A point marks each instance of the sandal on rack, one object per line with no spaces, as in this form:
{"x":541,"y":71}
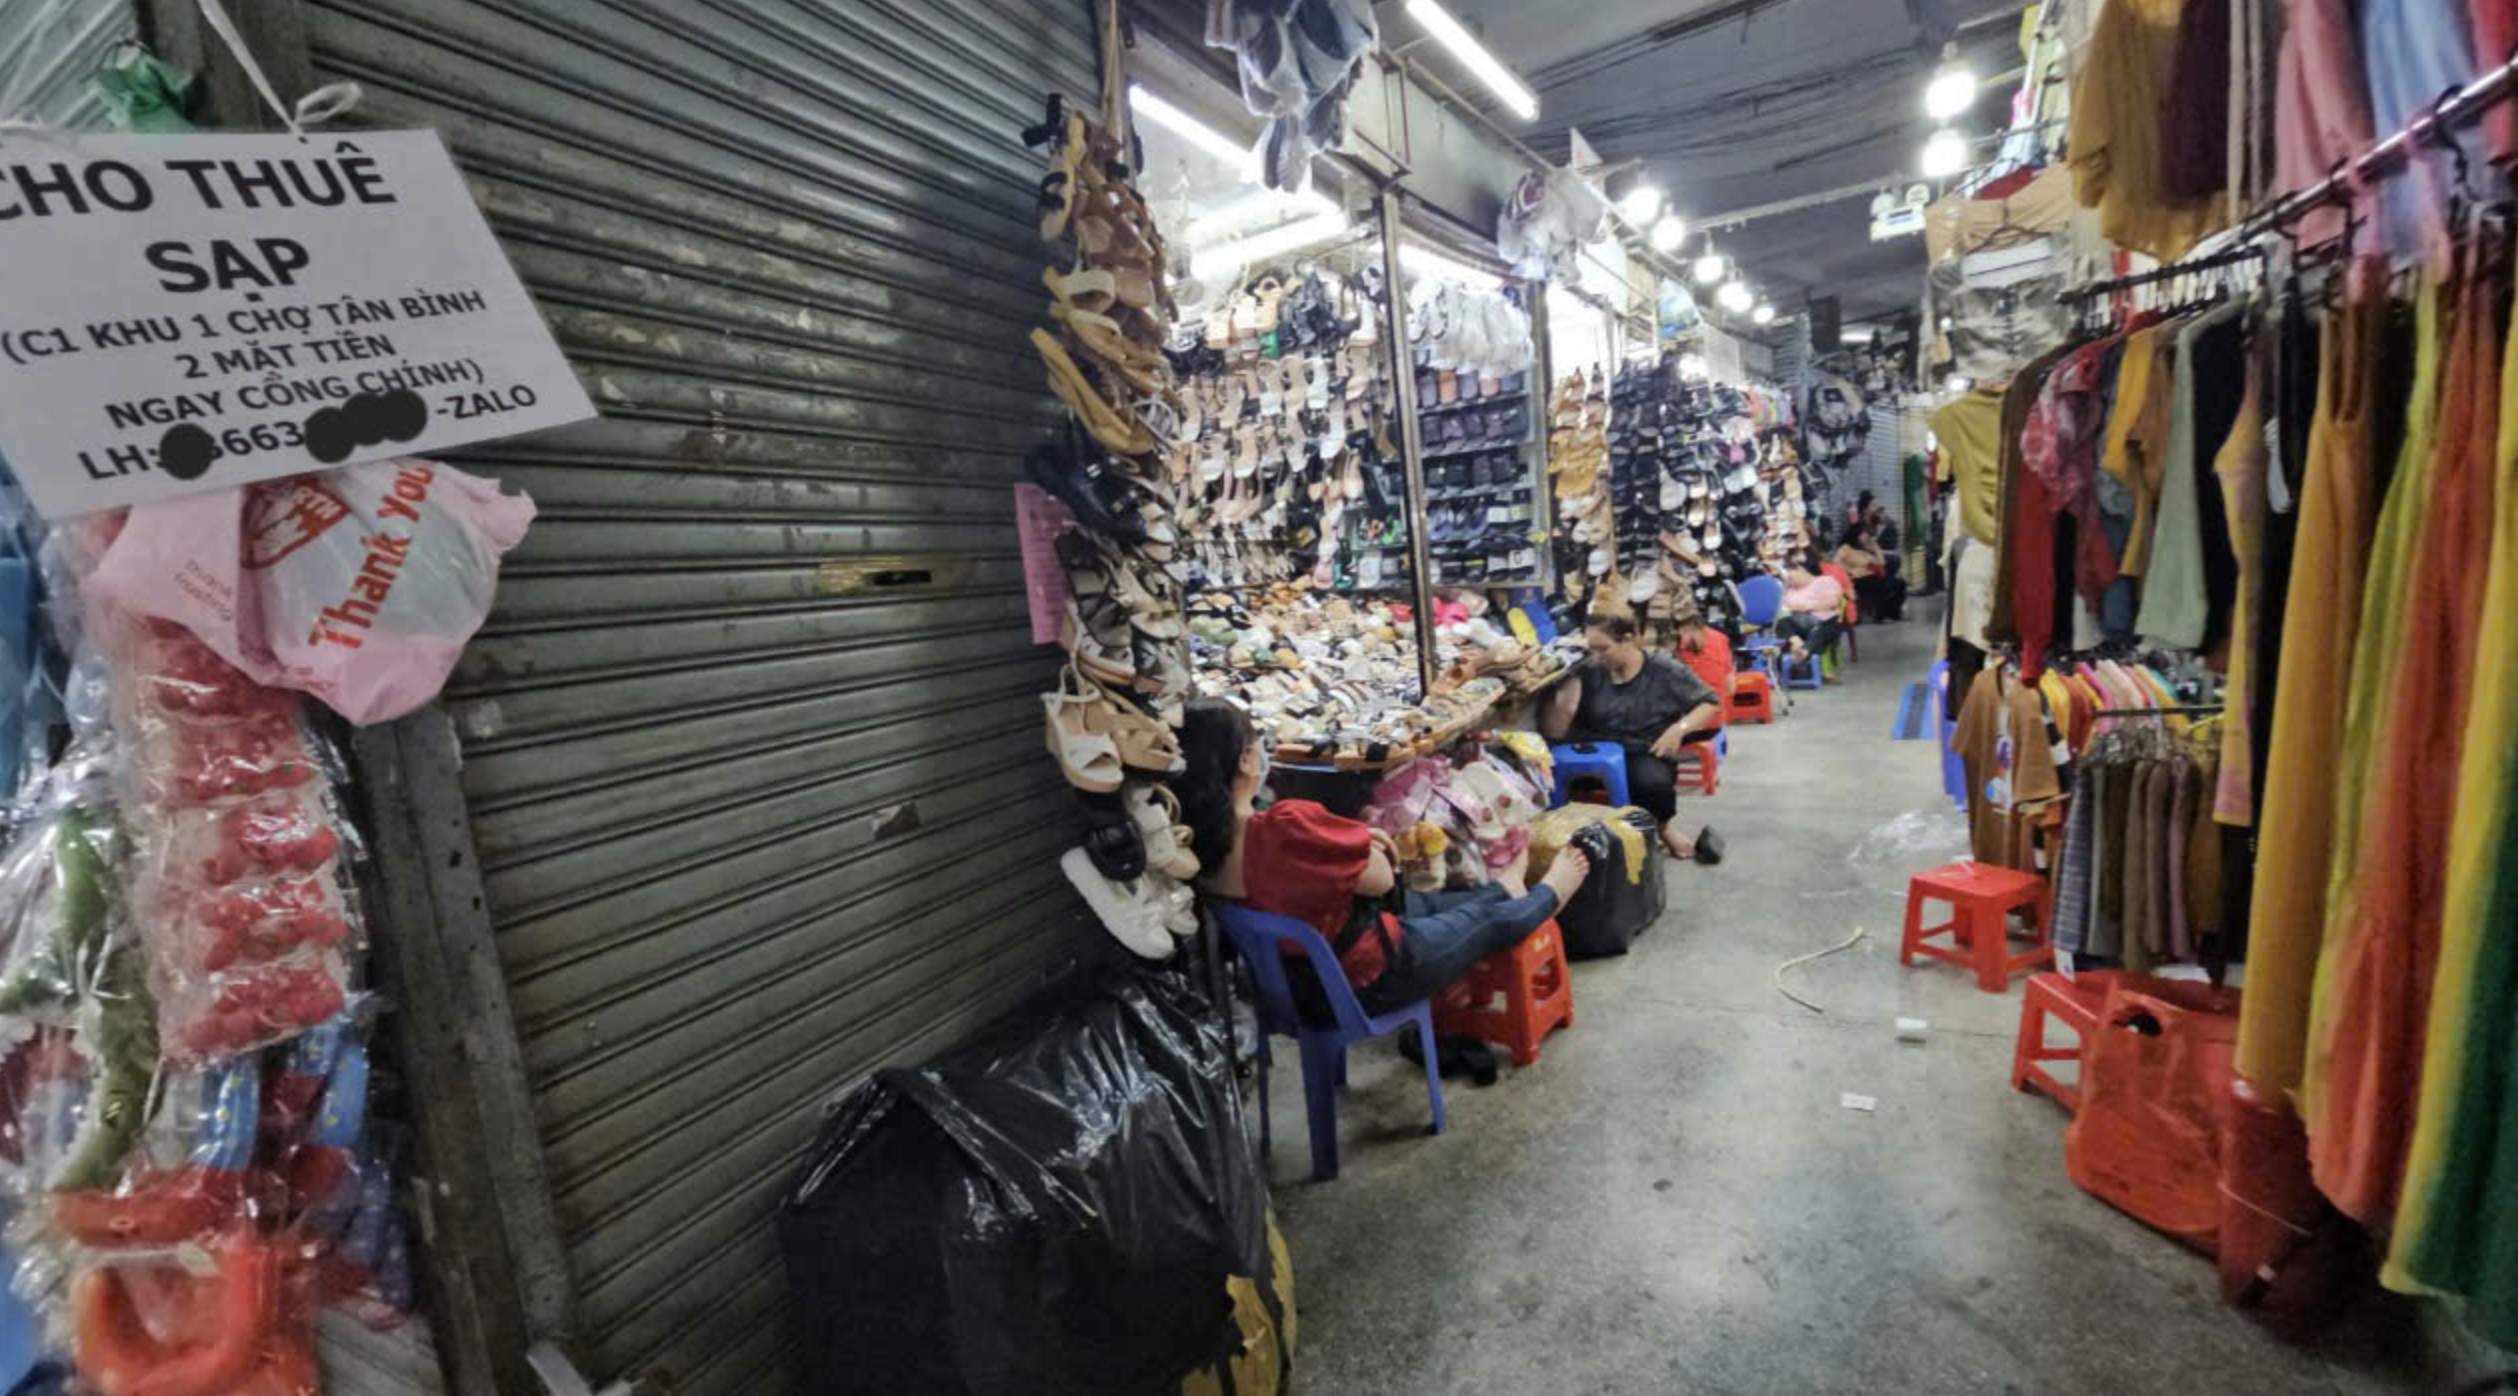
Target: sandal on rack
{"x":1087,"y":752}
{"x":1119,"y":432}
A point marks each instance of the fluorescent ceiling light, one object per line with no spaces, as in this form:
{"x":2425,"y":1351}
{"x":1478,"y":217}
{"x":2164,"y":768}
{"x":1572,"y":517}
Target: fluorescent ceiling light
{"x":1252,"y":209}
{"x":1960,"y":383}
{"x":1275,"y":242}
{"x":1190,"y":129}
{"x":1709,"y":268}
{"x":1855,"y":334}
{"x":1426,"y":262}
{"x":1763,"y":315}
{"x":1669,"y":233}
{"x":1951,"y":92}
{"x":1736,"y":297}
{"x":1439,"y":23}
{"x":1945,"y":154}
{"x":1640,"y":205}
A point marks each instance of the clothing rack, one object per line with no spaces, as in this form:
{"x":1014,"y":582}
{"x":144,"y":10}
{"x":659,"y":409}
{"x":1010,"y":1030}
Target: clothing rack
{"x":2455,"y":108}
{"x":2105,"y":713}
{"x":2243,"y":243}
{"x":2192,"y":266}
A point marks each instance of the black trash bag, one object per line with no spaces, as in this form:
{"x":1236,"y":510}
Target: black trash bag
{"x":1616,"y":903}
{"x":1071,"y":1209}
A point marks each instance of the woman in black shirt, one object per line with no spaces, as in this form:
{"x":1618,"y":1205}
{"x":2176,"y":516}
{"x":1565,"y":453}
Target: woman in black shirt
{"x":1649,"y":704}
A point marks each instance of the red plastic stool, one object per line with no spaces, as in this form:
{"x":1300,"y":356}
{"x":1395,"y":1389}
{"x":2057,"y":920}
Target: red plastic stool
{"x":1752,"y":698}
{"x":1700,"y":767}
{"x":1981,"y":898}
{"x":1535,"y":987}
{"x":2074,"y":1002}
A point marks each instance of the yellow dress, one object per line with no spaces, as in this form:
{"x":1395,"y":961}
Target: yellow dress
{"x":2115,"y":146}
{"x":2286,"y":920}
{"x":2400,"y":524}
{"x":1970,"y":432}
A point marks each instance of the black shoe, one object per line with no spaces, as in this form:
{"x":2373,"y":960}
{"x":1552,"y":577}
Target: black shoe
{"x":1709,"y":846}
{"x":1595,"y":842}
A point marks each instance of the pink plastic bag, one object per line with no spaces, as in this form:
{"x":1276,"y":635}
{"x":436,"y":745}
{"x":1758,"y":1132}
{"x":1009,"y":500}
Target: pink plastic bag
{"x":359,"y":585}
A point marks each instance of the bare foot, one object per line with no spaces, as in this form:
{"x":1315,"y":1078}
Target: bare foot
{"x":1514,"y":877}
{"x":1566,"y":874}
{"x":1799,"y":650}
{"x":1680,"y":845}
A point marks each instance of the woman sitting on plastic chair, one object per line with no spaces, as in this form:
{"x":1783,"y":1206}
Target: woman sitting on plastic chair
{"x":1814,"y":608}
{"x":1296,"y":859}
{"x":1652,"y":706}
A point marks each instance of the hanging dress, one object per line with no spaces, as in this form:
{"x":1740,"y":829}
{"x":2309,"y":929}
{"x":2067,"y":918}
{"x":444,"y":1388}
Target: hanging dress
{"x":2321,"y":622}
{"x":2364,"y":1068}
{"x":2364,"y":744}
{"x":2457,"y":1227}
{"x":2240,"y":468}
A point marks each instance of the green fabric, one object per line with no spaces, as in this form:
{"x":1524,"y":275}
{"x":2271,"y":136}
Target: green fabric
{"x":148,"y":96}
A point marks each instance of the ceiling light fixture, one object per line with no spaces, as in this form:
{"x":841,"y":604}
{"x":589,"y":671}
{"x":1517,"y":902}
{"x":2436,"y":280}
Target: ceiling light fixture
{"x":1439,"y":23}
{"x":1188,"y":128}
{"x":1640,"y":206}
{"x":1960,"y":383}
{"x":1709,"y":268}
{"x":1736,"y":297}
{"x":1952,"y":89}
{"x":1763,"y":315}
{"x":1945,"y":154}
{"x":1855,"y":334}
{"x":1275,"y":242}
{"x":1668,"y":233}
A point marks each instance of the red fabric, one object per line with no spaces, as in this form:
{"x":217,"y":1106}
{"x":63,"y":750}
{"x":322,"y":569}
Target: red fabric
{"x":1300,"y":860}
{"x":1711,"y":662}
{"x":2032,"y":540}
{"x":2008,"y":185}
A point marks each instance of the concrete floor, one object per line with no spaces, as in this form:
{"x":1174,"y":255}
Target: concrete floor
{"x":1674,"y":1199}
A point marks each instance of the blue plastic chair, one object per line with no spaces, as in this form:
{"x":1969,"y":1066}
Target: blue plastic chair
{"x":1806,"y":674}
{"x":1261,"y":937}
{"x":1761,"y":605}
{"x":1604,"y":760}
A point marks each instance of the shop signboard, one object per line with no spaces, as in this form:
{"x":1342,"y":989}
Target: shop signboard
{"x":186,"y":313}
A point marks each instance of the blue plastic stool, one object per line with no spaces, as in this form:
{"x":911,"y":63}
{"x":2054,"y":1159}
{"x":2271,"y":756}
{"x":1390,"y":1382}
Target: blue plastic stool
{"x":1603,"y":760}
{"x":1261,"y":937}
{"x":1806,"y":674}
{"x":1953,"y":770}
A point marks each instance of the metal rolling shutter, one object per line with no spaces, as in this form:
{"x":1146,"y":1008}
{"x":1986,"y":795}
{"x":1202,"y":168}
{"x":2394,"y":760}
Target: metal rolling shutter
{"x":751,"y":744}
{"x":65,"y":41}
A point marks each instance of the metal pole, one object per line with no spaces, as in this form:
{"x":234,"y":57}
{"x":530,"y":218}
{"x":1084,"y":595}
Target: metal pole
{"x":1411,"y":437}
{"x":1541,"y":406}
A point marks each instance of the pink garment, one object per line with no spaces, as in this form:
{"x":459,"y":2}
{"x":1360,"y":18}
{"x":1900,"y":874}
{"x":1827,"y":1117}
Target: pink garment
{"x":2495,"y":37}
{"x":2320,"y":106}
{"x":1820,"y":594}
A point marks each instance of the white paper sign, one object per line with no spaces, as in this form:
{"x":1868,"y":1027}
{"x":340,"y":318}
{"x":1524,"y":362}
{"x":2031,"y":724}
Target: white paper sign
{"x":183,"y":313}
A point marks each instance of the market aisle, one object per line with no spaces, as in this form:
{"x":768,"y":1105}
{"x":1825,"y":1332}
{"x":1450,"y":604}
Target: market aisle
{"x":1674,"y":1198}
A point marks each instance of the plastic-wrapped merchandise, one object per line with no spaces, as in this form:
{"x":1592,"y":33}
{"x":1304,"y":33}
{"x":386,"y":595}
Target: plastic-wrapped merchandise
{"x":235,"y":845}
{"x":358,"y":585}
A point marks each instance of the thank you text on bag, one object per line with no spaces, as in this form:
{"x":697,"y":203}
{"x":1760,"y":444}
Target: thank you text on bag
{"x":192,"y":312}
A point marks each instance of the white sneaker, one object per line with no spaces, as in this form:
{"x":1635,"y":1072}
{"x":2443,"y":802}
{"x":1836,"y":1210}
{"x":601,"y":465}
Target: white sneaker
{"x":1133,"y":914}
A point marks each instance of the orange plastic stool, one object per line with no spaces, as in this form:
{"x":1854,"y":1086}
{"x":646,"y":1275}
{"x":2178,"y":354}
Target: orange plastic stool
{"x":1981,"y":898}
{"x":1752,"y":698}
{"x":1535,"y":987}
{"x":2074,"y":1002}
{"x":1700,"y":768}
